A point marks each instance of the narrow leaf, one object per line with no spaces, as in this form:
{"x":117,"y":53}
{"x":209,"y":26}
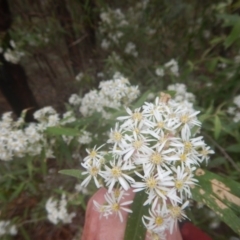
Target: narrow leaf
{"x":212,"y":64}
{"x":17,"y":191}
{"x":217,"y":127}
{"x":209,"y":180}
{"x":221,"y":195}
{"x":62,"y":131}
{"x":141,"y":100}
{"x":222,"y":210}
{"x":135,"y":229}
{"x":233,"y":36}
{"x":72,"y":172}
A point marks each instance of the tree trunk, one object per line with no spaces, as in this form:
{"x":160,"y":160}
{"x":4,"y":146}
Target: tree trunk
{"x":13,"y":79}
{"x":66,"y":23}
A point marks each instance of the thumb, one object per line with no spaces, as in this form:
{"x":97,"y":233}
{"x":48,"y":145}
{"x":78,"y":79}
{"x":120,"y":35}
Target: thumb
{"x":97,"y":228}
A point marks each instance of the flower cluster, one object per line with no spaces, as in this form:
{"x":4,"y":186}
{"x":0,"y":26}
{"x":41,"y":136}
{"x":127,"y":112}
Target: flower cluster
{"x":181,"y":94}
{"x":235,"y":111}
{"x":153,"y":149}
{"x":112,"y":94}
{"x":79,"y":77}
{"x":7,"y":228}
{"x":57,"y":211}
{"x":131,"y":49}
{"x":112,"y":22}
{"x":19,"y":139}
{"x":85,"y":138}
{"x":75,"y":99}
{"x":12,"y":54}
{"x":171,"y":67}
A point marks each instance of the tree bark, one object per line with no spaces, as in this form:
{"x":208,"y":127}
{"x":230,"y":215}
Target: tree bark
{"x":5,"y":16}
{"x":13,"y":79}
{"x":66,"y":23}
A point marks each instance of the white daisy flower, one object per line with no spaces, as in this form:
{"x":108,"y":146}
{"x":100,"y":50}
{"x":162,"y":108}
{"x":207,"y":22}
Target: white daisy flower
{"x":158,"y":220}
{"x":204,"y":153}
{"x":103,"y":209}
{"x":93,"y":171}
{"x":93,"y":154}
{"x":177,"y":214}
{"x":116,"y":174}
{"x":116,"y":205}
{"x":183,"y":181}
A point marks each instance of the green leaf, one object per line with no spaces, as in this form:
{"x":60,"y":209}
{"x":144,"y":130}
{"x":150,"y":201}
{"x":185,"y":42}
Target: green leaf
{"x":206,"y":114}
{"x":229,"y":19}
{"x":233,"y":36}
{"x":141,"y":100}
{"x":216,"y":40}
{"x":217,"y":127}
{"x":212,"y":64}
{"x":17,"y":191}
{"x":30,"y":167}
{"x":135,"y":229}
{"x":203,"y":117}
{"x":221,"y":195}
{"x":72,"y":172}
{"x":62,"y":131}
{"x":206,"y":177}
{"x":64,"y":149}
{"x":234,"y":148}
{"x":225,"y":214}
{"x":195,"y":130}
{"x":81,"y":123}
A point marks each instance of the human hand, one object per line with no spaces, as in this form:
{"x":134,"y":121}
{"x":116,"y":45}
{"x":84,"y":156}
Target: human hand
{"x":110,"y":228}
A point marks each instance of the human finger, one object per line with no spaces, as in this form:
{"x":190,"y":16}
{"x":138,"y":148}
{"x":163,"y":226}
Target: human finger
{"x":97,"y":228}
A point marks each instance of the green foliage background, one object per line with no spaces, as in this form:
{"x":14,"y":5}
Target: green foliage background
{"x":202,"y":36}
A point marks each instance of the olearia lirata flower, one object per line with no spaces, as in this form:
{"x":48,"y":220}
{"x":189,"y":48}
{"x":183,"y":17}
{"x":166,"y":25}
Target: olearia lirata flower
{"x":153,"y":149}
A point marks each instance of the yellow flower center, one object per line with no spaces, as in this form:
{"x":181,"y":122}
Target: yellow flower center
{"x":183,"y":157}
{"x":94,"y":171}
{"x":184,"y":118}
{"x":151,"y":182}
{"x":115,"y":207}
{"x":187,"y":146}
{"x":116,"y":172}
{"x":137,"y":116}
{"x":117,"y":136}
{"x":160,"y":125}
{"x":158,"y":221}
{"x":137,"y":144}
{"x":175,"y":212}
{"x":156,"y":158}
{"x":93,"y":154}
{"x":178,"y":184}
